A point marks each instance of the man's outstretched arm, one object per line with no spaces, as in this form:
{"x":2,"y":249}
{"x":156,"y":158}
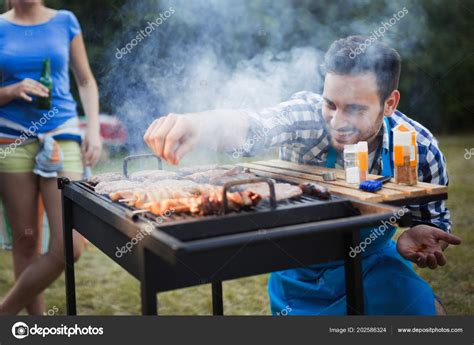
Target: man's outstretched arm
{"x":172,"y":136}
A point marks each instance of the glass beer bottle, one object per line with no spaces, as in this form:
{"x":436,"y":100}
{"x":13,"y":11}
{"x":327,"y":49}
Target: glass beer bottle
{"x":44,"y":103}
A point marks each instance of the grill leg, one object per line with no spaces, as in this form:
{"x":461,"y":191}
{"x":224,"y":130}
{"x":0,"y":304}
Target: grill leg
{"x":149,"y":300}
{"x":69,"y":256}
{"x":217,"y":299}
{"x":353,"y":274}
{"x":147,"y":290}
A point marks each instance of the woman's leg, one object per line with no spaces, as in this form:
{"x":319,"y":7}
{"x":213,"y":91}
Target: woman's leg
{"x":19,"y":193}
{"x":52,"y":204}
{"x":47,"y":268}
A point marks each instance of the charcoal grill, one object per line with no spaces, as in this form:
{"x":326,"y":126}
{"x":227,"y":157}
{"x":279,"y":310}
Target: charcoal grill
{"x":178,"y":251}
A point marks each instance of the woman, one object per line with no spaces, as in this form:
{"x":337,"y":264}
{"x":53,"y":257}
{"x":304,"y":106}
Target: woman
{"x":41,"y":144}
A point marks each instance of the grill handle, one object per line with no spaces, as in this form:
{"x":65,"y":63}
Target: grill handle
{"x":127,"y":159}
{"x":228,"y":185}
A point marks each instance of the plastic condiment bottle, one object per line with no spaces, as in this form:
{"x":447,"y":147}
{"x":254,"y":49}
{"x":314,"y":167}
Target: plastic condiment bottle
{"x":363,"y":160}
{"x":350,"y":164}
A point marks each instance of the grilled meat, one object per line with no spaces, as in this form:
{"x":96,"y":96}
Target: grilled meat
{"x":205,"y":176}
{"x":106,"y":187}
{"x":207,"y":203}
{"x":283,"y":191}
{"x":105,"y":177}
{"x":222,"y":180}
{"x":159,"y":194}
{"x":200,"y":192}
{"x":197,"y":169}
{"x":162,"y":192}
{"x":175,"y":183}
{"x":153,"y":175}
{"x":158,"y":190}
{"x":126,"y":194}
{"x":316,"y":190}
{"x":220,"y":176}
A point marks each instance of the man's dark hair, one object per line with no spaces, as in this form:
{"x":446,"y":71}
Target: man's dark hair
{"x":355,"y":55}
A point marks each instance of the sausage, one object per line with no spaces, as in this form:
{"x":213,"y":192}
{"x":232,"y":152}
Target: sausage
{"x":316,"y":190}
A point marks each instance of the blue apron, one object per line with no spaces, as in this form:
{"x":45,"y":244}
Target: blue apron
{"x":391,"y":286}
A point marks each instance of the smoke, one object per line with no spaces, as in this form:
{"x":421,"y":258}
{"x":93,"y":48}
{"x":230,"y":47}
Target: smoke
{"x":241,"y":54}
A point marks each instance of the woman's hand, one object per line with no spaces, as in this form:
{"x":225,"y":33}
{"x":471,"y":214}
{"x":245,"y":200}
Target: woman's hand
{"x":423,"y":245}
{"x":27,"y":88}
{"x":91,"y":147}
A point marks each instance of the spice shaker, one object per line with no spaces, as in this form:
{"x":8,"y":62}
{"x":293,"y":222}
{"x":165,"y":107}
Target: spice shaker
{"x":404,"y":155}
{"x":351,"y":167}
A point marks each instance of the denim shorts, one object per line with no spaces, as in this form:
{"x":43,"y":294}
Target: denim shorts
{"x":22,"y":158}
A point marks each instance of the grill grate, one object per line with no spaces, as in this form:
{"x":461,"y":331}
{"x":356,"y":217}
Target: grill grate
{"x":187,"y":227}
{"x":264,"y":205}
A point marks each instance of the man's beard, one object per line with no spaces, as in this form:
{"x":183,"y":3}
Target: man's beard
{"x":373,"y":131}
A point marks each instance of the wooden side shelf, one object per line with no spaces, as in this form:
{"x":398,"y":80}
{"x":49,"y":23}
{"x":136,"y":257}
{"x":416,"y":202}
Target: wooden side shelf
{"x":298,"y":173}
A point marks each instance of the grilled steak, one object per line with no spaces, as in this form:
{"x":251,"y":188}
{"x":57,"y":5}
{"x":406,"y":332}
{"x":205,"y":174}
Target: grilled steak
{"x":283,"y":191}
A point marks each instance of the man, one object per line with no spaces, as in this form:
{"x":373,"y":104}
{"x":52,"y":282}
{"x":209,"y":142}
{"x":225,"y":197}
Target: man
{"x":359,"y":103}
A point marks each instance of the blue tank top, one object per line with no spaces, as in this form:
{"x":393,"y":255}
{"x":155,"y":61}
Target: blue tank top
{"x":22,"y":52}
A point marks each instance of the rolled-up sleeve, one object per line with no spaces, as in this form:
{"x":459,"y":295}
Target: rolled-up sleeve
{"x":432,"y":169}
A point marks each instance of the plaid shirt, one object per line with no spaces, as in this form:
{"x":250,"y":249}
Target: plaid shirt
{"x":297,"y":128}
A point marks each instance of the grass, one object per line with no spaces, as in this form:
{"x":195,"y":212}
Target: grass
{"x":103,"y":288}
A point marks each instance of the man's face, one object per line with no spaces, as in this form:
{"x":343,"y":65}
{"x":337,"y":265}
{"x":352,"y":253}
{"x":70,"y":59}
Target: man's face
{"x":352,"y":110}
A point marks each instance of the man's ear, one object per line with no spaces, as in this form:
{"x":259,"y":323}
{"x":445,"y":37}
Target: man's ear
{"x":391,"y":103}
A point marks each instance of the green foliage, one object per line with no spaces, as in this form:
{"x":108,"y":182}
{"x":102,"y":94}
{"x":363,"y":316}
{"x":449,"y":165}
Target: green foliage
{"x":434,"y":40}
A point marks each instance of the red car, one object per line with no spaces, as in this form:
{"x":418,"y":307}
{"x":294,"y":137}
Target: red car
{"x":112,"y":131}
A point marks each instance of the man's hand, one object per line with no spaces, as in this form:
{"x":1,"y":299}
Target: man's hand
{"x":172,"y":136}
{"x":423,"y":245}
